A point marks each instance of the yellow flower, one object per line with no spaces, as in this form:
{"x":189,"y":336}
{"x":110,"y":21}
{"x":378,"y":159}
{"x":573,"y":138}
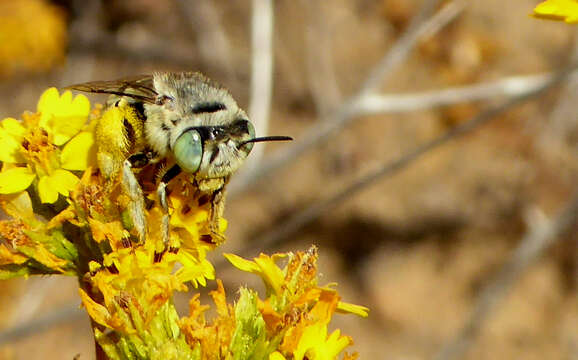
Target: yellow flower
{"x":15,"y":179}
{"x":212,"y":337}
{"x":132,"y":275}
{"x":191,"y":224}
{"x":314,"y":343}
{"x":265,"y":266}
{"x":32,"y":36}
{"x":11,"y":135}
{"x":35,"y":144}
{"x":297,"y":307}
{"x":276,"y":356}
{"x":61,"y":115}
{"x":141,"y":274}
{"x":18,"y":232}
{"x":9,"y":257}
{"x":560,"y":10}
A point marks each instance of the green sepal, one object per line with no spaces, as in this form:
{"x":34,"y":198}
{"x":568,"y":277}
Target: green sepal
{"x":12,"y":270}
{"x":250,"y":337}
{"x":158,"y":339}
{"x":63,"y":248}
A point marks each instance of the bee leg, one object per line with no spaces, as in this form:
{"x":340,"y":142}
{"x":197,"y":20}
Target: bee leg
{"x":136,"y":204}
{"x":217,"y":209}
{"x":139,"y":160}
{"x":162,"y":195}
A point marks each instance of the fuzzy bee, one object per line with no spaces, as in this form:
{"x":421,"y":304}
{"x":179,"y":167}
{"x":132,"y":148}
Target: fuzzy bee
{"x":184,"y":119}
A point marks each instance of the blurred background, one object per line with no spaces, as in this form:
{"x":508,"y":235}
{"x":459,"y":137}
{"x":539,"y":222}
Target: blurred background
{"x":463,"y":246}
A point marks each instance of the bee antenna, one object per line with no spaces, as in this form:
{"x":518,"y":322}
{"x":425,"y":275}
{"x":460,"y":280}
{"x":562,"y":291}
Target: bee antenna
{"x":266,"y":138}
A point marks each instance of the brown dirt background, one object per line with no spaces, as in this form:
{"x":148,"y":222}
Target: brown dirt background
{"x":417,"y":247}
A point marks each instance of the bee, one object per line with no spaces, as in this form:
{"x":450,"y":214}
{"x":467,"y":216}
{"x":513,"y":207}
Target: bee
{"x":184,"y":119}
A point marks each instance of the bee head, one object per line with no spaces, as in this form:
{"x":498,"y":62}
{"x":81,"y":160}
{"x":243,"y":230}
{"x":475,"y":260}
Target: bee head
{"x":217,"y":151}
{"x":199,"y":124}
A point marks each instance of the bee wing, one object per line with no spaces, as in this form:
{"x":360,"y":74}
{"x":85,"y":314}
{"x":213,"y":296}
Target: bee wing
{"x":138,"y":88}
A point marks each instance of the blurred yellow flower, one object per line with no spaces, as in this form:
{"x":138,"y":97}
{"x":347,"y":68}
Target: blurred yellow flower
{"x":32,"y":36}
{"x":560,"y":10}
{"x":35,"y":144}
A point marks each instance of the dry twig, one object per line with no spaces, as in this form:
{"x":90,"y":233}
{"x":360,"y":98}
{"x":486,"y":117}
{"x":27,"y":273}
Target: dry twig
{"x":346,"y":112}
{"x":540,"y":237}
{"x":306,"y":216}
{"x":320,"y":68}
{"x":261,"y":75}
{"x":397,"y":103}
{"x":212,"y":41}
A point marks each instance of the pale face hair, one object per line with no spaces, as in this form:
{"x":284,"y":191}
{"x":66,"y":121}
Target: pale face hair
{"x":190,"y":100}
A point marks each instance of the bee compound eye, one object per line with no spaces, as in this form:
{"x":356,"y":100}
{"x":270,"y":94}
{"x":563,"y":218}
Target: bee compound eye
{"x":188,"y":151}
{"x":251,"y":131}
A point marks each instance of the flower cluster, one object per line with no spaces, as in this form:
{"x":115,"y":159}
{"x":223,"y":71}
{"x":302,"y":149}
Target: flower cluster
{"x":66,"y":218}
{"x":33,"y":36}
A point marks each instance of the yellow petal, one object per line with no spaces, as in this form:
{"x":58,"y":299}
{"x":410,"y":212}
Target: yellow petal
{"x":48,"y":259}
{"x":63,"y":181}
{"x":47,"y":105}
{"x":64,"y":128}
{"x":334,"y":345}
{"x":70,"y":118}
{"x":561,"y":10}
{"x":47,"y":193}
{"x":9,"y":148}
{"x":359,"y":310}
{"x":101,"y":315}
{"x":264,"y":266}
{"x":13,"y":127}
{"x":271,"y":274}
{"x":276,"y":356}
{"x":312,"y":336}
{"x":18,"y":206}
{"x":80,"y":105}
{"x":11,"y":133}
{"x":62,"y":116}
{"x":194,"y":270}
{"x":314,"y":343}
{"x":15,"y":180}
{"x":242,"y":264}
{"x":8,"y":257}
{"x":79,"y":153}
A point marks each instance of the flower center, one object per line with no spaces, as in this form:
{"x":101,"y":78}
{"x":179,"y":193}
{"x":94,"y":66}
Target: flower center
{"x":39,"y":151}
